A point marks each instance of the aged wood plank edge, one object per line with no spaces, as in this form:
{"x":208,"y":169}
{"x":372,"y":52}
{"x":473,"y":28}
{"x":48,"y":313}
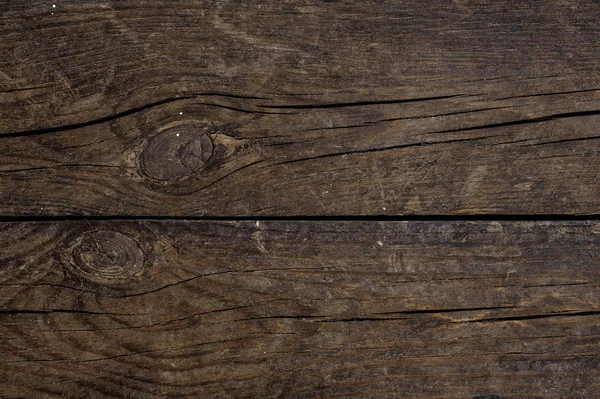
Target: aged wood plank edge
{"x":528,"y":217}
{"x":287,"y":309}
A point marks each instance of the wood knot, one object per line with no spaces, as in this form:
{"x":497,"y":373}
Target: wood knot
{"x":176,"y":153}
{"x":106,"y":257}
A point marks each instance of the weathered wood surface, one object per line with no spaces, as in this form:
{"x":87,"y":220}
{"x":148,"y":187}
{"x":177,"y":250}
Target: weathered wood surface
{"x":278,"y":309}
{"x":172,"y":110}
{"x":230,"y":108}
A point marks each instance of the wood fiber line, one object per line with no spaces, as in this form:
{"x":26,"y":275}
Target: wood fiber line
{"x":281,"y":309}
{"x":264,"y":108}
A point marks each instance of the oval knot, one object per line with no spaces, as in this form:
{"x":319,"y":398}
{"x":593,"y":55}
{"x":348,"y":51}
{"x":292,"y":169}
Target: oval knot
{"x":107,"y":257}
{"x":176,"y":153}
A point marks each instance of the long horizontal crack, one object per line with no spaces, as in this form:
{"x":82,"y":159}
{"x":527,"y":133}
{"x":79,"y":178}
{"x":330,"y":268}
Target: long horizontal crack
{"x":532,"y":317}
{"x":59,"y":167}
{"x":361,"y":103}
{"x":395,"y":147}
{"x":547,"y":94}
{"x":210,"y":275}
{"x":453,"y":310}
{"x":66,"y":311}
{"x":246,"y":111}
{"x":225,"y":176}
{"x":445,"y":114}
{"x":94,"y":121}
{"x":523,"y":121}
{"x":131,"y":112}
{"x":371,"y":123}
{"x":562,"y":141}
{"x":326,"y":319}
{"x":24,"y":89}
{"x":442,"y":217}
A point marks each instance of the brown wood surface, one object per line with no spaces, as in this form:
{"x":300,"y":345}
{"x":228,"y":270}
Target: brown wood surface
{"x":270,"y":108}
{"x":278,"y":309}
{"x":300,"y":199}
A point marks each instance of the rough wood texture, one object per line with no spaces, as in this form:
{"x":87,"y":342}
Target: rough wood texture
{"x":155,"y":116}
{"x":300,"y":309}
{"x":299,"y":107}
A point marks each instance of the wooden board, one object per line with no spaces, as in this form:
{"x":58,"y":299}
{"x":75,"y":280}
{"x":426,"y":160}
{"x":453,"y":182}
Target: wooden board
{"x":264,"y":108}
{"x":280,"y":309}
{"x":300,"y":199}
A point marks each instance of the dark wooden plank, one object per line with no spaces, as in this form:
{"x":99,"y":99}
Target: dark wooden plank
{"x":413,"y":107}
{"x":393,"y":159}
{"x":85,"y":60}
{"x":272,"y":309}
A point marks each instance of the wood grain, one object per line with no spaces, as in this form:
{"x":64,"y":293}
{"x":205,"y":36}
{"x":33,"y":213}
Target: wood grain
{"x":152,"y":117}
{"x":310,"y":309}
{"x":264,"y":108}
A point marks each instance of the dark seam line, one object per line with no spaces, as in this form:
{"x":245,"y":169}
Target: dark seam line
{"x":546,"y":118}
{"x":361,"y":103}
{"x":130,"y":112}
{"x":341,"y":218}
{"x":93,"y":122}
